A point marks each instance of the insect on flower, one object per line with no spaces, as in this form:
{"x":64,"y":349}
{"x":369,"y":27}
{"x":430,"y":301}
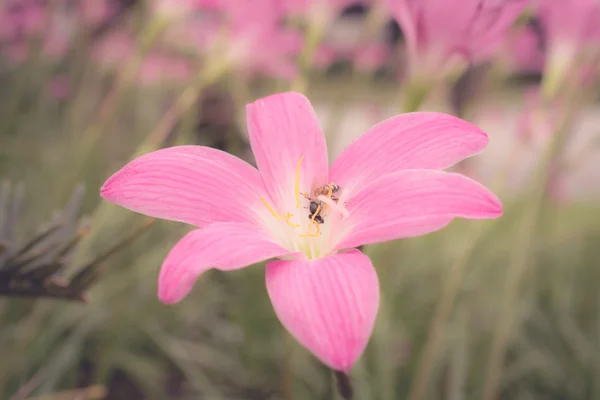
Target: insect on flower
{"x":307,"y":213}
{"x":317,"y":206}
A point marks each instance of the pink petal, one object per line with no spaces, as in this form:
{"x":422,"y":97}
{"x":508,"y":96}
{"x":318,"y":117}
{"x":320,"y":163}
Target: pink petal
{"x":491,"y":26}
{"x":223,"y":246}
{"x":473,"y":30}
{"x":329,"y":305}
{"x":193,"y":184}
{"x":283,"y":128}
{"x":414,"y":202}
{"x":415,"y":140}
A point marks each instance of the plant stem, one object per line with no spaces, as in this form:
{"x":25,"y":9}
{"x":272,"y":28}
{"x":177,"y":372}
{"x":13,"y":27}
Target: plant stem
{"x":313,"y":37}
{"x":343,"y":385}
{"x":415,"y":94}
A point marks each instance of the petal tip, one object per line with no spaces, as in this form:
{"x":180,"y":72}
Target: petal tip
{"x":496,"y":208}
{"x":168,"y":297}
{"x":329,"y":305}
{"x":170,"y":289}
{"x":105,"y":190}
{"x":493,"y":204}
{"x":109,"y":189}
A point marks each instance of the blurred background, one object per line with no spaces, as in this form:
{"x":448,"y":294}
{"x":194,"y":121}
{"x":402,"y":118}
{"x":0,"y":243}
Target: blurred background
{"x":504,"y":309}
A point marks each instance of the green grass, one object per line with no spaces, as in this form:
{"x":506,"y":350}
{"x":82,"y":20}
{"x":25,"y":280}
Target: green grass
{"x":224,"y":341}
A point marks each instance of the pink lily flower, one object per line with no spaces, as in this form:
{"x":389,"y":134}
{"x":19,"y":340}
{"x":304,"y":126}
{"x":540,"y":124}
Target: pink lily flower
{"x":442,"y":34}
{"x":386,"y":185}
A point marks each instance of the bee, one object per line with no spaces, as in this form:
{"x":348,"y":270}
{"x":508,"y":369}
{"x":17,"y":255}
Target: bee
{"x":316,"y":207}
{"x":327,"y":190}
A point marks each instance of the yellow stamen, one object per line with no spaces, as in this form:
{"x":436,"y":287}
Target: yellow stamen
{"x":297,"y":182}
{"x":278,"y":216}
{"x":290,"y":223}
{"x":329,"y":194}
{"x":312,"y":222}
{"x":272,"y":210}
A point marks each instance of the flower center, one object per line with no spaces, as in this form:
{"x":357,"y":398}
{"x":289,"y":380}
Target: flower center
{"x":312,"y":226}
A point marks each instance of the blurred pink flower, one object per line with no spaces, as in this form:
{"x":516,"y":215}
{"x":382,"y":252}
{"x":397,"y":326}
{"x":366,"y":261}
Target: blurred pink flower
{"x":60,"y":32}
{"x":20,"y":22}
{"x":257,"y":41}
{"x":114,"y":48}
{"x":175,"y":9}
{"x":534,"y":126}
{"x":524,"y":51}
{"x":28,"y":22}
{"x":157,"y":67}
{"x":59,"y":87}
{"x":371,"y":57}
{"x":440,"y":32}
{"x":573,"y":22}
{"x":348,"y":40}
{"x":21,"y":18}
{"x":319,"y":11}
{"x":248,"y":36}
{"x":558,"y":187}
{"x":210,"y":4}
{"x":390,"y":186}
{"x":164,"y":68}
{"x":95,"y":12}
{"x":572,"y":34}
